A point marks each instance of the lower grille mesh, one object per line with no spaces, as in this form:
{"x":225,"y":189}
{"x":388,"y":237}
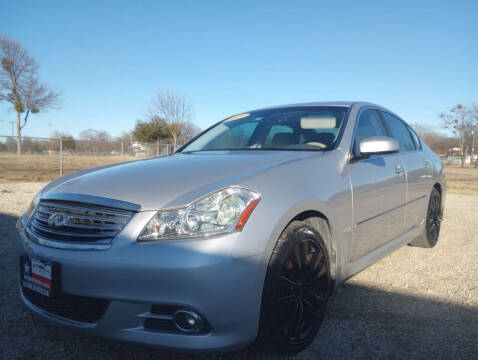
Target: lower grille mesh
{"x":78,"y":308}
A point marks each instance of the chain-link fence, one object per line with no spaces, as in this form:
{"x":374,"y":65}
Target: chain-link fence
{"x":459,"y":160}
{"x":44,"y":159}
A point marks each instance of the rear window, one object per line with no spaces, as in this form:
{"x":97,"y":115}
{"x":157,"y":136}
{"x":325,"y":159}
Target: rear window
{"x":416,"y":138}
{"x":399,"y":131}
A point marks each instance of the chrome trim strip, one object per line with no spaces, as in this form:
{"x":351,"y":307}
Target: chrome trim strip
{"x":63,"y":245}
{"x":91,"y":199}
{"x":98,"y":226}
{"x":155,"y":316}
{"x":418,"y":198}
{"x":94,"y":209}
{"x":108,"y":235}
{"x":389,"y":210}
{"x":108,"y":219}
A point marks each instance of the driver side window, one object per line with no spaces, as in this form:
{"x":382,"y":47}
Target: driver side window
{"x":369,"y":124}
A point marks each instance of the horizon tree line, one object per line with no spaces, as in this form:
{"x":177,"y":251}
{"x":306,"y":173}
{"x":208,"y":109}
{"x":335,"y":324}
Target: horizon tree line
{"x":169,"y":114}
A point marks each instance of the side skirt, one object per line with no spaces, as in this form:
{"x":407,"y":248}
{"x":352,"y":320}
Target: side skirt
{"x":371,"y":258}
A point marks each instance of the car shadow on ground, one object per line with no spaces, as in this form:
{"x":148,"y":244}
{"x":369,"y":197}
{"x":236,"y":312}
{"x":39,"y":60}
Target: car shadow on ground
{"x":362,"y":323}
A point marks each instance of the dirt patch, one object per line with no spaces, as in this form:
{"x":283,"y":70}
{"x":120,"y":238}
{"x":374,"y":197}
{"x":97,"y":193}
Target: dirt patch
{"x":47,"y":167}
{"x":413,"y":304}
{"x":462,"y":180}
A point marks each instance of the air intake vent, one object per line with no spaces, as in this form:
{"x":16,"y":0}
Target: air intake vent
{"x":78,"y":308}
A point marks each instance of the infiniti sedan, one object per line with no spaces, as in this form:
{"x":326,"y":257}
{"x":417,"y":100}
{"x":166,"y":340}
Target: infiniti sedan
{"x":242,"y":234}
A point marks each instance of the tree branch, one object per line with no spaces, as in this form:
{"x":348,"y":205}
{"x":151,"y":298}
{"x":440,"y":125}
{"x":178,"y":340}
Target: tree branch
{"x":25,"y":119}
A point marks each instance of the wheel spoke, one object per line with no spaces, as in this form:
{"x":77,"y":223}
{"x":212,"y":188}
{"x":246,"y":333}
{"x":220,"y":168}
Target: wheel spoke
{"x":287,"y":326}
{"x":316,"y":266}
{"x":313,"y":298}
{"x":305,"y":252}
{"x":296,"y":259}
{"x":285,"y":290}
{"x":435,"y":232}
{"x":320,"y":271}
{"x":298,"y":322}
{"x":313,"y":259}
{"x":285,"y":281}
{"x":285,"y":298}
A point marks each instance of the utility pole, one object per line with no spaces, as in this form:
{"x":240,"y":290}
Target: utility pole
{"x":473,"y":146}
{"x":61,"y":156}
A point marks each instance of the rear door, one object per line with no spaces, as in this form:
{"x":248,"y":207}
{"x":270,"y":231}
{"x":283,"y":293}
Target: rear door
{"x":379,"y":191}
{"x":417,"y":166}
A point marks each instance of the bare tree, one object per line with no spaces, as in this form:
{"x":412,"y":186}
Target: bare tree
{"x":126,"y":137}
{"x":175,"y":109}
{"x":474,"y":131}
{"x":68,"y":142}
{"x":187,"y":131}
{"x":458,"y":120}
{"x":95,"y":135}
{"x":19,"y":84}
{"x":96,"y":142}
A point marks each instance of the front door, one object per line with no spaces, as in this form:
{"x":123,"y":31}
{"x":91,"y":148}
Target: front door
{"x":379,"y":192}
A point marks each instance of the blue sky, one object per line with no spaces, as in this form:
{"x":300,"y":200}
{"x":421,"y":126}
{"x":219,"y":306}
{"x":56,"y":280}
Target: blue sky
{"x":109,"y":58}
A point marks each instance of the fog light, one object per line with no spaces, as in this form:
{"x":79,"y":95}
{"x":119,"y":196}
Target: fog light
{"x":187,"y":321}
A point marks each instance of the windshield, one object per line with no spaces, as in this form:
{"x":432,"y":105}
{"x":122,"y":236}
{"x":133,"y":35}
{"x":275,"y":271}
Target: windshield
{"x":291,"y":128}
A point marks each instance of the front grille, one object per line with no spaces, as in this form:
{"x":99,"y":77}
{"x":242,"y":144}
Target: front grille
{"x":84,"y":223}
{"x":78,"y":308}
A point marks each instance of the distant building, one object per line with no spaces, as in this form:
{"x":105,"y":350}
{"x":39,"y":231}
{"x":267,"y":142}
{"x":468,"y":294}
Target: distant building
{"x":454,"y":151}
{"x":136,"y":149}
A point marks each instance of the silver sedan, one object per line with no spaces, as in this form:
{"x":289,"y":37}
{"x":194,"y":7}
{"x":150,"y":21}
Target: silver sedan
{"x":244,"y":233}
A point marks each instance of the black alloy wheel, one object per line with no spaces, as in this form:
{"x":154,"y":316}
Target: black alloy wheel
{"x":302,"y":291}
{"x":434,"y":217}
{"x":297,"y":289}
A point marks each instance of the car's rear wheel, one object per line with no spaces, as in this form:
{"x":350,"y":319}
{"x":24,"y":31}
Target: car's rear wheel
{"x":434,"y":217}
{"x":433,"y":222}
{"x":296,"y":289}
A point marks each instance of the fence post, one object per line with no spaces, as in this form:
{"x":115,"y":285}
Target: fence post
{"x":61,"y":157}
{"x":122,"y":152}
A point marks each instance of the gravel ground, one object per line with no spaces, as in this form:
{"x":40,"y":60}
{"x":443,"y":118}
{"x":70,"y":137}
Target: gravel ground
{"x":413,"y":304}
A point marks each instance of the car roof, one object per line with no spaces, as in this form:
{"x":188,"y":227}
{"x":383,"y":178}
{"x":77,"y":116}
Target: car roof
{"x":321,"y":103}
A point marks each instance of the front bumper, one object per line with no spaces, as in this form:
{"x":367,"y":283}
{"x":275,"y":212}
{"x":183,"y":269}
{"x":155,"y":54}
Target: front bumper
{"x":194,"y":274}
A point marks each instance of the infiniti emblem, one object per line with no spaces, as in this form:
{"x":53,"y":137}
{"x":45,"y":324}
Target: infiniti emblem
{"x":58,"y":220}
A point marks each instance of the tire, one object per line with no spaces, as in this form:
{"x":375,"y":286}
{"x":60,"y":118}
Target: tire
{"x":433,"y":222}
{"x":296,"y":288}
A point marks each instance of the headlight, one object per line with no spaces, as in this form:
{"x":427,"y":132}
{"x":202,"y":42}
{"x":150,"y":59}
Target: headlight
{"x":33,"y":204}
{"x":221,"y":212}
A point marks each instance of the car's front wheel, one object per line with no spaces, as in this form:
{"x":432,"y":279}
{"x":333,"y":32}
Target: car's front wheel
{"x":296,"y":288}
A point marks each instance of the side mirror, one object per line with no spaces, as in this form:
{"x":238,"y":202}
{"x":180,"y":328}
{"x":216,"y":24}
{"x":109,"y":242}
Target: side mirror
{"x":378,"y":145}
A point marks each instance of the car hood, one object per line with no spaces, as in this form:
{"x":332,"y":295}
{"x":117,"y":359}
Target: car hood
{"x":171,"y":181}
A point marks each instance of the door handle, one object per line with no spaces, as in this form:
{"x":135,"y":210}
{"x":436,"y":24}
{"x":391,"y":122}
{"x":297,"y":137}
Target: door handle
{"x":399,"y":169}
{"x":426,"y":163}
